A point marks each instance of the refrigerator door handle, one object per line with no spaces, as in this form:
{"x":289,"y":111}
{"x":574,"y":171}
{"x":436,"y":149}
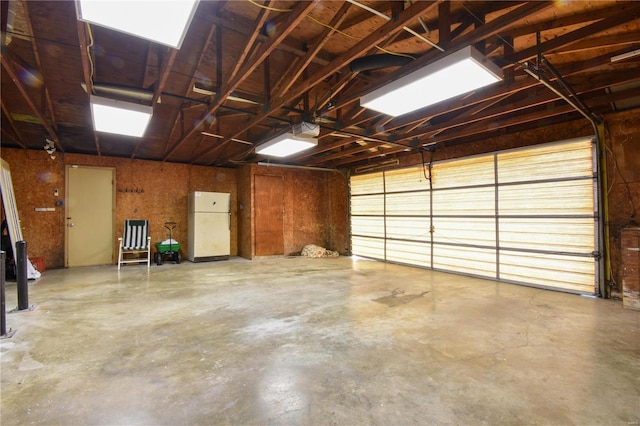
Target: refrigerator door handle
{"x":229,"y":221}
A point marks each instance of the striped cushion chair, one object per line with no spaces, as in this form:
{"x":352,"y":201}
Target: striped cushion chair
{"x":135,"y":244}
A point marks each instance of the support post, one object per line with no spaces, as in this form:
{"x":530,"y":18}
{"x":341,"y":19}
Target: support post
{"x":21,"y":275}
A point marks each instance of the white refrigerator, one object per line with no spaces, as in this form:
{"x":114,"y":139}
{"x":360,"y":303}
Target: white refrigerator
{"x":209,"y":226}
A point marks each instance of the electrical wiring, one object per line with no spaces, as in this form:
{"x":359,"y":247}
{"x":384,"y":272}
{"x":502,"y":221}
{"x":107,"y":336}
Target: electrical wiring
{"x":272,"y":9}
{"x":89,"y":46}
{"x":388,"y":52}
{"x":331,"y":28}
{"x":618,"y":171}
{"x":317,"y":21}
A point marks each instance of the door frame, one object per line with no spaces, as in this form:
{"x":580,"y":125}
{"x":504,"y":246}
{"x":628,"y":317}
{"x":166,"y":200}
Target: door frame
{"x":66,"y":208}
{"x":254,"y":242}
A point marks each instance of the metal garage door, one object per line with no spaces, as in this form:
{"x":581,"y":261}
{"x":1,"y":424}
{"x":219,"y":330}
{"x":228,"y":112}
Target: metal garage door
{"x":525,"y":216}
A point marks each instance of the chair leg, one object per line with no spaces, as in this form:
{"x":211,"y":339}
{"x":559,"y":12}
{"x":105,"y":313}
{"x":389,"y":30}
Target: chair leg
{"x":148,"y":251}
{"x":120,"y":253}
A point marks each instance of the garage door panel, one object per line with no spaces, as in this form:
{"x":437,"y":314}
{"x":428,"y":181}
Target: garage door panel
{"x":478,"y":170}
{"x":408,"y":203}
{"x":465,"y":231}
{"x":367,"y":184}
{"x":407,"y":179}
{"x":464,"y":201}
{"x":568,"y":273}
{"x":367,"y":204}
{"x":368,"y":226}
{"x":368,"y":247}
{"x":409,"y":252}
{"x":554,"y":161}
{"x":468,"y":260}
{"x":411,"y":228}
{"x":547,"y":198}
{"x":554,"y":234}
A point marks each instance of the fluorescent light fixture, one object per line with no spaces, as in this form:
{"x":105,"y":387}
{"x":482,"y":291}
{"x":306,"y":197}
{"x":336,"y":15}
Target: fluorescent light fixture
{"x":626,"y":55}
{"x":285,"y":145}
{"x":165,"y":22}
{"x":460,"y":72}
{"x":122,"y":118}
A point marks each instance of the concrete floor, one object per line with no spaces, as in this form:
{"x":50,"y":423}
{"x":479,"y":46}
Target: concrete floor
{"x":299,"y":341}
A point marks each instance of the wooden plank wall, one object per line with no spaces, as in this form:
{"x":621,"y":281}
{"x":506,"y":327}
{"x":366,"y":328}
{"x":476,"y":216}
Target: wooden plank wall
{"x":315,"y":204}
{"x":315,"y":209}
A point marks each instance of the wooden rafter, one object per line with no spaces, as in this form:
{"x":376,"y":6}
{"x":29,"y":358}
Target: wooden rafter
{"x":328,"y":147}
{"x":487,"y":30}
{"x":357,"y":50}
{"x":347,"y":152}
{"x":87,"y":72}
{"x":16,"y":135}
{"x":214,"y":30}
{"x":296,"y":15}
{"x":630,"y":12}
{"x":291,"y":77}
{"x":36,"y":54}
{"x":25,"y":96}
{"x":250,"y":43}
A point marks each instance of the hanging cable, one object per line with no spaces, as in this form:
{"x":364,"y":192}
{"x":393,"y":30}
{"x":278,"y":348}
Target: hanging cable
{"x":385,"y":17}
{"x":317,"y":21}
{"x":92,"y":66}
{"x":272,"y":9}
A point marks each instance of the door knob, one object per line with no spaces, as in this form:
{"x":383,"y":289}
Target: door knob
{"x":71,"y":225}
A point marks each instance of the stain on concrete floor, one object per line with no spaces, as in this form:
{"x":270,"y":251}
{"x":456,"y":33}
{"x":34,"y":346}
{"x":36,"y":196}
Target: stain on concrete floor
{"x":398,"y":298}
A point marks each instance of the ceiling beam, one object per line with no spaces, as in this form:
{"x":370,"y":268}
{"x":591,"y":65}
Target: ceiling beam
{"x":490,"y":29}
{"x":345,"y":153}
{"x":328,"y":147}
{"x":177,"y":121}
{"x":36,"y":54}
{"x":250,"y":43}
{"x":627,"y":12}
{"x":168,"y":60}
{"x":559,"y":22}
{"x":292,"y":76}
{"x":23,"y":92}
{"x":288,"y":25}
{"x":87,"y":72}
{"x":386,"y":30}
{"x":601,"y":42}
{"x":16,"y":135}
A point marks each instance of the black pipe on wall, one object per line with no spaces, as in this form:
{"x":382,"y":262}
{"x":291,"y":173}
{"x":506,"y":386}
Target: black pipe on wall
{"x":373,"y":62}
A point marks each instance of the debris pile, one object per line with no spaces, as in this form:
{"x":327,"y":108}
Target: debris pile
{"x":312,"y":250}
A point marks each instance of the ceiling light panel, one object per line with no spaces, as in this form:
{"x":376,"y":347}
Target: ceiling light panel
{"x":164,"y":22}
{"x":118,"y":117}
{"x":460,"y":72}
{"x":285,"y":145}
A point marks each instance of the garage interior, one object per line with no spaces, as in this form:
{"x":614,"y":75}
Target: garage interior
{"x":488,"y":268}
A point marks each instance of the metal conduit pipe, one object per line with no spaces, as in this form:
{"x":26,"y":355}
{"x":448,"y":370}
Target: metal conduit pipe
{"x":293,"y":166}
